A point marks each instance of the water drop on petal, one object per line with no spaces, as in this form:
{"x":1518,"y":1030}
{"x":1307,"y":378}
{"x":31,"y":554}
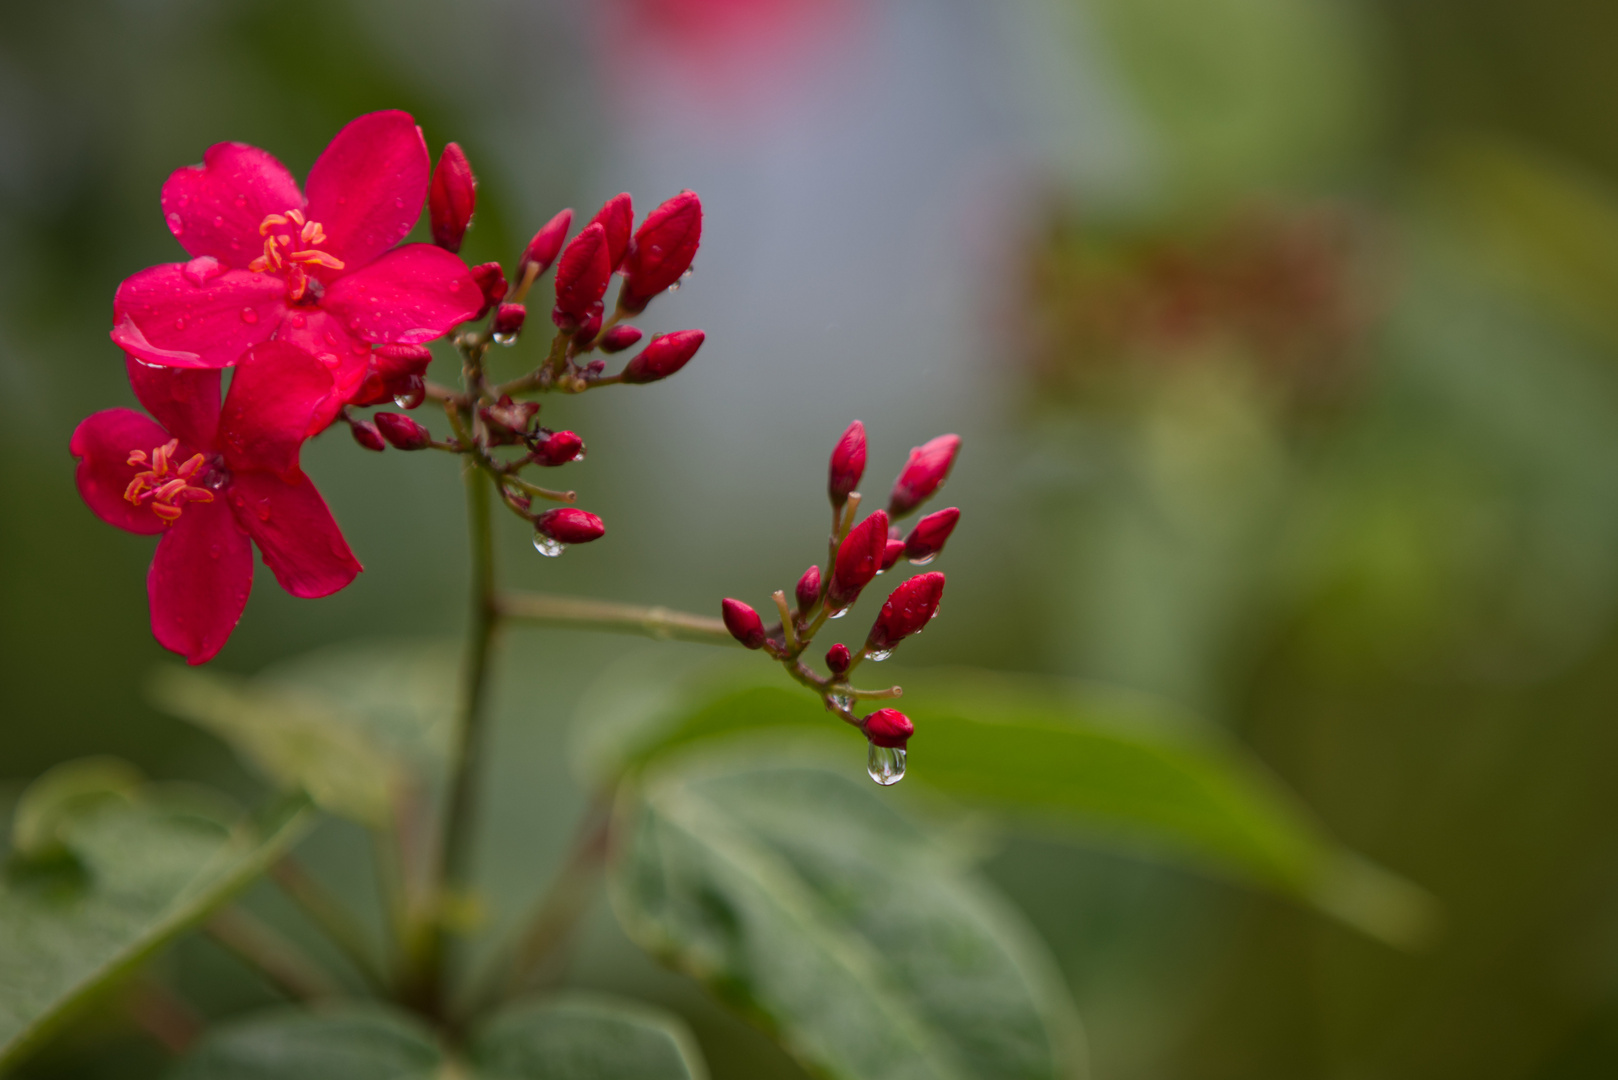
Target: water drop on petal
{"x":249,"y":316}
{"x":886,"y":764}
{"x":176,"y":226}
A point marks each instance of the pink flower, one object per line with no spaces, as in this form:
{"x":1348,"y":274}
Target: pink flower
{"x":212,"y":481}
{"x":319,"y":270}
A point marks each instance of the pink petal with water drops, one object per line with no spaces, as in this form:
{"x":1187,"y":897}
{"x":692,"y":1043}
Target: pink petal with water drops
{"x":215,"y":208}
{"x":274,"y":394}
{"x":184,"y":400}
{"x":295,"y":531}
{"x":409,"y":296}
{"x":368,"y":187}
{"x":345,"y":356}
{"x":199,"y":581}
{"x":102,"y":442}
{"x":161,"y":316}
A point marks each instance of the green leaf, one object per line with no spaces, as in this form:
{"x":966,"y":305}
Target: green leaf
{"x":127,"y":871}
{"x":345,"y":1042}
{"x":349,"y":725}
{"x":1119,"y":769}
{"x":586,"y":1037}
{"x":804,"y":898}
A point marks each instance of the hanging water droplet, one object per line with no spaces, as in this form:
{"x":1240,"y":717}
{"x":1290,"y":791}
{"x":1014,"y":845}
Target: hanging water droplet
{"x":840,"y":701}
{"x":880,"y":655}
{"x":547,"y":546}
{"x":839,"y":613}
{"x":505,"y":339}
{"x":924,"y":560}
{"x":886,"y":764}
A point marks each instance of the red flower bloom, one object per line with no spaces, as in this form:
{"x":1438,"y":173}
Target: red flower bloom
{"x":319,"y":271}
{"x":212,"y":481}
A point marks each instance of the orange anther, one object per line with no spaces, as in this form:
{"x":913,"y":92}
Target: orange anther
{"x":319,"y":258}
{"x":295,"y":216}
{"x":269,"y":223}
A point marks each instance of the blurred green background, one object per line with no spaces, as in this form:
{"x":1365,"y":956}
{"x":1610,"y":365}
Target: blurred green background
{"x":1283,"y":335}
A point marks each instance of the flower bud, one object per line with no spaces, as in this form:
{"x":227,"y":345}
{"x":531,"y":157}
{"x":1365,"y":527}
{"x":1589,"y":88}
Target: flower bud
{"x":847,"y":464}
{"x":567,"y":525}
{"x":662,"y":251}
{"x":663,"y":356}
{"x":923,"y":474}
{"x":907,"y":611}
{"x":508,"y":320}
{"x":397,"y":361}
{"x":581,"y":277}
{"x":541,"y":250}
{"x":366,"y":434}
{"x":888,"y":727}
{"x":589,"y":328}
{"x":808,"y":589}
{"x":559,"y":449}
{"x":926,"y":540}
{"x":618,"y":338}
{"x":492,"y":281}
{"x":890,"y":554}
{"x":451,"y":198}
{"x":401,"y":431}
{"x":743,"y":623}
{"x":617,"y":218}
{"x":858,"y":559}
{"x":508,"y":421}
{"x":838,"y":659}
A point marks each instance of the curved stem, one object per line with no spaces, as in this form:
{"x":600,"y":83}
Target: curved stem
{"x":655,"y":622}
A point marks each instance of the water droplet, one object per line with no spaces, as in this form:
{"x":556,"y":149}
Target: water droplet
{"x":297,"y":320}
{"x":218,"y":221}
{"x":505,"y":339}
{"x":263,"y":510}
{"x":880,"y":655}
{"x":213,"y":551}
{"x":179,"y":324}
{"x":249,"y":316}
{"x":838,"y":614}
{"x":840,"y":701}
{"x":886,"y":764}
{"x":409,"y":400}
{"x":547,"y":546}
{"x":455,"y":286}
{"x":924,"y":560}
{"x":201,"y":270}
{"x":241,"y":202}
{"x":176,"y":226}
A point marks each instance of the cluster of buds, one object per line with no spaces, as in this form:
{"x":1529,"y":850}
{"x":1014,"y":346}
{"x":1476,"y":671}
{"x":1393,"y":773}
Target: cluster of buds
{"x":856,"y":555}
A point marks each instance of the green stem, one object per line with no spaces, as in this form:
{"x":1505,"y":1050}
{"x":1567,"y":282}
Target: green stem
{"x":654,"y":622}
{"x":328,"y":913}
{"x":276,"y":958}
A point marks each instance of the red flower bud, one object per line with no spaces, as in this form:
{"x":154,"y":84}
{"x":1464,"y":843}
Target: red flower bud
{"x":923,"y":474}
{"x":508,"y":421}
{"x":366,"y":434}
{"x":619,"y":338}
{"x":397,"y":361}
{"x":926,"y":540}
{"x":401,"y":431}
{"x":569,"y":526}
{"x":743,"y":623}
{"x":858,"y":559}
{"x":559,"y":449}
{"x":662,"y":251}
{"x":581,"y":277}
{"x":891,"y":553}
{"x":492,"y":281}
{"x":838,"y":659}
{"x":808,"y":589}
{"x":847,"y":463}
{"x":617,"y":217}
{"x":888,"y":727}
{"x":451,"y":198}
{"x":508,"y":320}
{"x":589,"y":328}
{"x":663,"y":356}
{"x":541,"y":250}
{"x":907,"y":610}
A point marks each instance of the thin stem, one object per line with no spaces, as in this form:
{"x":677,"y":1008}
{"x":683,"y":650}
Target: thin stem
{"x":163,"y":1014}
{"x":328,"y":913}
{"x":654,"y":622}
{"x":276,"y":958}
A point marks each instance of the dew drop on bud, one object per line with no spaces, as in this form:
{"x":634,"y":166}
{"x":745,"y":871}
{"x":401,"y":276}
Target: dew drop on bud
{"x":886,"y":764}
{"x":880,"y":655}
{"x":838,"y":614}
{"x":505,"y":339}
{"x":924,"y":560}
{"x":547,"y":546}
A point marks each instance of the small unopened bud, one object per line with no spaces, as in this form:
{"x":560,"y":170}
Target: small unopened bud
{"x":401,"y":431}
{"x":567,"y":525}
{"x":559,"y":449}
{"x":662,"y":251}
{"x":858,"y":559}
{"x":508,"y":320}
{"x":618,"y":338}
{"x":366,"y":434}
{"x":491,"y":280}
{"x":890,"y":555}
{"x":888,"y":727}
{"x":508,"y":421}
{"x":808,"y":590}
{"x":743,"y":623}
{"x":907,"y":611}
{"x":617,"y":218}
{"x":923,"y":474}
{"x":541,"y":250}
{"x":393,"y":361}
{"x":451,"y":198}
{"x":581,"y":277}
{"x":847,"y":464}
{"x":589,"y":328}
{"x":838,"y":658}
{"x":663,"y":356}
{"x":927,"y":539}
{"x":595,"y":367}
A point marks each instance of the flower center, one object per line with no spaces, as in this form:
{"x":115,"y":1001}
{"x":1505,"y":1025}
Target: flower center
{"x":291,"y":244}
{"x":167,"y":487}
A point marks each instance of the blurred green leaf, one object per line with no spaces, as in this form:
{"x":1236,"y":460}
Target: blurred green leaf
{"x":806,"y":899}
{"x":347,"y":1042}
{"x":135,"y":867}
{"x":51,"y":801}
{"x":1121,"y":768}
{"x":579,"y":1037}
{"x":349,"y":725}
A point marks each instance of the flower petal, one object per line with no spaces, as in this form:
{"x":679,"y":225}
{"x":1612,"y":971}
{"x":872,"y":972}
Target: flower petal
{"x":199,"y":581}
{"x":273,"y":397}
{"x":215,"y":208}
{"x":409,"y":296}
{"x":102,"y":443}
{"x":300,"y":541}
{"x":367,"y":188}
{"x":346,"y":357}
{"x":184,"y":400}
{"x":162,"y":317}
